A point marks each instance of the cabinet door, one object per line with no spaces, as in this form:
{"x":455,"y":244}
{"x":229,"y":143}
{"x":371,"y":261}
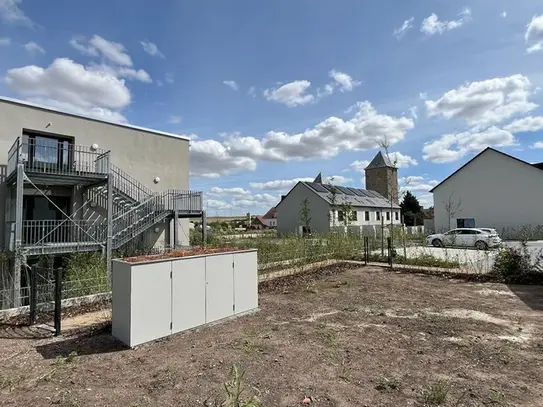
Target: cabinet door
{"x":188,"y":293}
{"x":245,"y":282}
{"x":219,"y":287}
{"x":151,"y":308}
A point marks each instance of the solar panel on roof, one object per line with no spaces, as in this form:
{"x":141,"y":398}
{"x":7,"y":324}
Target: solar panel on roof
{"x":317,"y":187}
{"x":344,"y":190}
{"x":373,"y":194}
{"x":329,"y":187}
{"x":356,"y":191}
{"x":363,"y":192}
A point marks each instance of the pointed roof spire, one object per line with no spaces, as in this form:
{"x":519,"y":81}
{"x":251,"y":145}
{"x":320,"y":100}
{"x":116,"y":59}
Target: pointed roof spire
{"x":380,"y":161}
{"x":318,"y":180}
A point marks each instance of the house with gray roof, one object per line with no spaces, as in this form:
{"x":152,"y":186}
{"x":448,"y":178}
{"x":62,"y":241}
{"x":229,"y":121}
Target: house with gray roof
{"x":326,"y":201}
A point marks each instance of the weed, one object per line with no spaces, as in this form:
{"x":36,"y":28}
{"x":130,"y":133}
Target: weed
{"x":61,"y":360}
{"x":435,"y":394}
{"x":387,"y":383}
{"x":252,"y":346}
{"x":496,"y":397}
{"x":9,"y":382}
{"x":234,"y":390}
{"x":311,"y":287}
{"x":329,"y":336}
{"x":346,"y":373}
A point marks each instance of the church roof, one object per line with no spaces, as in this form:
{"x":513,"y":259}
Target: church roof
{"x":380,"y":161}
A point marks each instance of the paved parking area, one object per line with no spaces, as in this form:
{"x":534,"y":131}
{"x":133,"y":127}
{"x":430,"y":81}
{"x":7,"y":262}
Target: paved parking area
{"x":476,"y":260}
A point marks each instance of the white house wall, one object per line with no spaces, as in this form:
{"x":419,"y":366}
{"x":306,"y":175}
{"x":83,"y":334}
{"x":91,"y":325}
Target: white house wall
{"x":497,"y":191}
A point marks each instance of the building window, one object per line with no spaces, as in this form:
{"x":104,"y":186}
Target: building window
{"x":340,"y":216}
{"x":388,"y":215}
{"x":354,"y":215}
{"x":397,"y":215}
{"x":367,"y":216}
{"x":377,"y":215}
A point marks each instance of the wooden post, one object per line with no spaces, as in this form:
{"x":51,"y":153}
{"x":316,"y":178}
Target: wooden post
{"x":58,"y":300}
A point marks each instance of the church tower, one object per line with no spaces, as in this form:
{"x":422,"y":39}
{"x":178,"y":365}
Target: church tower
{"x":382,"y":177}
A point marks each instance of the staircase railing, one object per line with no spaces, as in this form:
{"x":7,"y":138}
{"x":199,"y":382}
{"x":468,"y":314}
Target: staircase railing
{"x":129,"y":186}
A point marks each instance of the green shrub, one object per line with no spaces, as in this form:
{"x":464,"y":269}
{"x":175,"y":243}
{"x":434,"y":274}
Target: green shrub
{"x":516,"y":265}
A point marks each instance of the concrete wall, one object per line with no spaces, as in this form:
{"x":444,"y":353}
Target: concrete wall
{"x":288,"y":211}
{"x":497,"y":191}
{"x":141,"y":153}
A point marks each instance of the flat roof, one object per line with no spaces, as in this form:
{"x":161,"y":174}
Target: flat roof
{"x":127,"y":126}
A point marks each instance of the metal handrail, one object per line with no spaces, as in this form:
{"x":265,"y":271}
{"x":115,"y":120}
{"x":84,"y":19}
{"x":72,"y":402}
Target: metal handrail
{"x":40,"y":232}
{"x":128,"y":185}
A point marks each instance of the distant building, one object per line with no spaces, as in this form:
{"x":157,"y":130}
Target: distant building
{"x":369,"y":207}
{"x":382,"y":177}
{"x":494,"y":190}
{"x":257,"y":223}
{"x":270,"y":218}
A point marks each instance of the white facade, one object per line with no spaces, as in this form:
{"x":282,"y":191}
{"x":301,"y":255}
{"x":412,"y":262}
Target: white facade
{"x":323,"y":218}
{"x":271,"y":222}
{"x":492,"y":190}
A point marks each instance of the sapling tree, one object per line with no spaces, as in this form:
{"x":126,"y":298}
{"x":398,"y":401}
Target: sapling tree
{"x":305,"y":215}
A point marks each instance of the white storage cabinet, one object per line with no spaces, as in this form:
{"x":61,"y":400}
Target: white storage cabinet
{"x":157,"y":298}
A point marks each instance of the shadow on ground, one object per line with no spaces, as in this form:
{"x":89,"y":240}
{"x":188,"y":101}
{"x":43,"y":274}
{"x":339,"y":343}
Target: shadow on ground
{"x":531,"y":295}
{"x":88,"y":345}
{"x":14,"y":331}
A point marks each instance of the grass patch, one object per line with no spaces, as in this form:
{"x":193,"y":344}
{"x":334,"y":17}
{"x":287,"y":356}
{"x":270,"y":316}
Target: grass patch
{"x":64,"y":360}
{"x":388,"y":383}
{"x":435,"y":394}
{"x":496,"y":397}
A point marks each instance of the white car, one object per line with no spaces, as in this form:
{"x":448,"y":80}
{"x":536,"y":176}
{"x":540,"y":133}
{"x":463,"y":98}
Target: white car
{"x":466,"y":237}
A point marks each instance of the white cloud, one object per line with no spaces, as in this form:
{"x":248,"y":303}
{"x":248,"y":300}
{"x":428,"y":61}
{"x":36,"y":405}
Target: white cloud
{"x":96,"y":112}
{"x":71,"y":85}
{"x":252,"y":91}
{"x":345,"y":82}
{"x":423,"y":95}
{"x":279,"y":185}
{"x":174,"y":119}
{"x":452,"y":147}
{"x":433,"y":25}
{"x":291,"y":94}
{"x":113,"y":51}
{"x":151,"y":49}
{"x":256,"y":201}
{"x":402,"y":161}
{"x":406,"y":26}
{"x":4,"y":42}
{"x":334,"y":135}
{"x":485,"y":103}
{"x":337,"y":180}
{"x":526,"y":124}
{"x":236,"y":192}
{"x":77,"y":43}
{"x":413,"y":112}
{"x":123,"y":72}
{"x":211,"y":158}
{"x":504,"y":14}
{"x":33,"y":48}
{"x":534,"y":34}
{"x":11,"y":13}
{"x":538,"y":144}
{"x":359,"y":165}
{"x":416,"y":184}
{"x":169,"y":78}
{"x":231,"y":84}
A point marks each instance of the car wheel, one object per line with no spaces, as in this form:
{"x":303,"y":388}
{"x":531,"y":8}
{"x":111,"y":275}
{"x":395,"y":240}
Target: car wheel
{"x":480,"y":245}
{"x":437,"y":243}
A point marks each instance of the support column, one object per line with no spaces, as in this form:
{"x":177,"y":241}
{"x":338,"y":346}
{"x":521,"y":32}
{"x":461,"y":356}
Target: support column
{"x":204,"y":228}
{"x":109,"y":241}
{"x":19,"y":260}
{"x":175,"y":229}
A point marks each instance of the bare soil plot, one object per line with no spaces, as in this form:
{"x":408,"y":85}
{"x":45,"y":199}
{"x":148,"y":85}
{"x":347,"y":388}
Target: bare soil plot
{"x":351,"y":337}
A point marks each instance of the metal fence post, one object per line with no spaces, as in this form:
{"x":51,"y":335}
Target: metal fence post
{"x":58,"y":299}
{"x":389,"y":249}
{"x":33,"y":292}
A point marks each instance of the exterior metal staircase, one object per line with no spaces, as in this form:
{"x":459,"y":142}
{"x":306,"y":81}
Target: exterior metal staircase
{"x":135,"y":208}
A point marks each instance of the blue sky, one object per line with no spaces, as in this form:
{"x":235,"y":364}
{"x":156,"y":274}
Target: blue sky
{"x":273,"y":92}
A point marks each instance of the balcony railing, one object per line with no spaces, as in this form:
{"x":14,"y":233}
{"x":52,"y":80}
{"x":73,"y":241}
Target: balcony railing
{"x":57,"y":157}
{"x":47,"y":232}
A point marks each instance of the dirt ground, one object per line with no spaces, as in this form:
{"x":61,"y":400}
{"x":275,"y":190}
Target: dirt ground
{"x":345,"y":337}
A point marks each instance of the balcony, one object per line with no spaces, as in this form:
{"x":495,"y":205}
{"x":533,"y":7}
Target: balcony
{"x":58,"y":236}
{"x":49,"y":158}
